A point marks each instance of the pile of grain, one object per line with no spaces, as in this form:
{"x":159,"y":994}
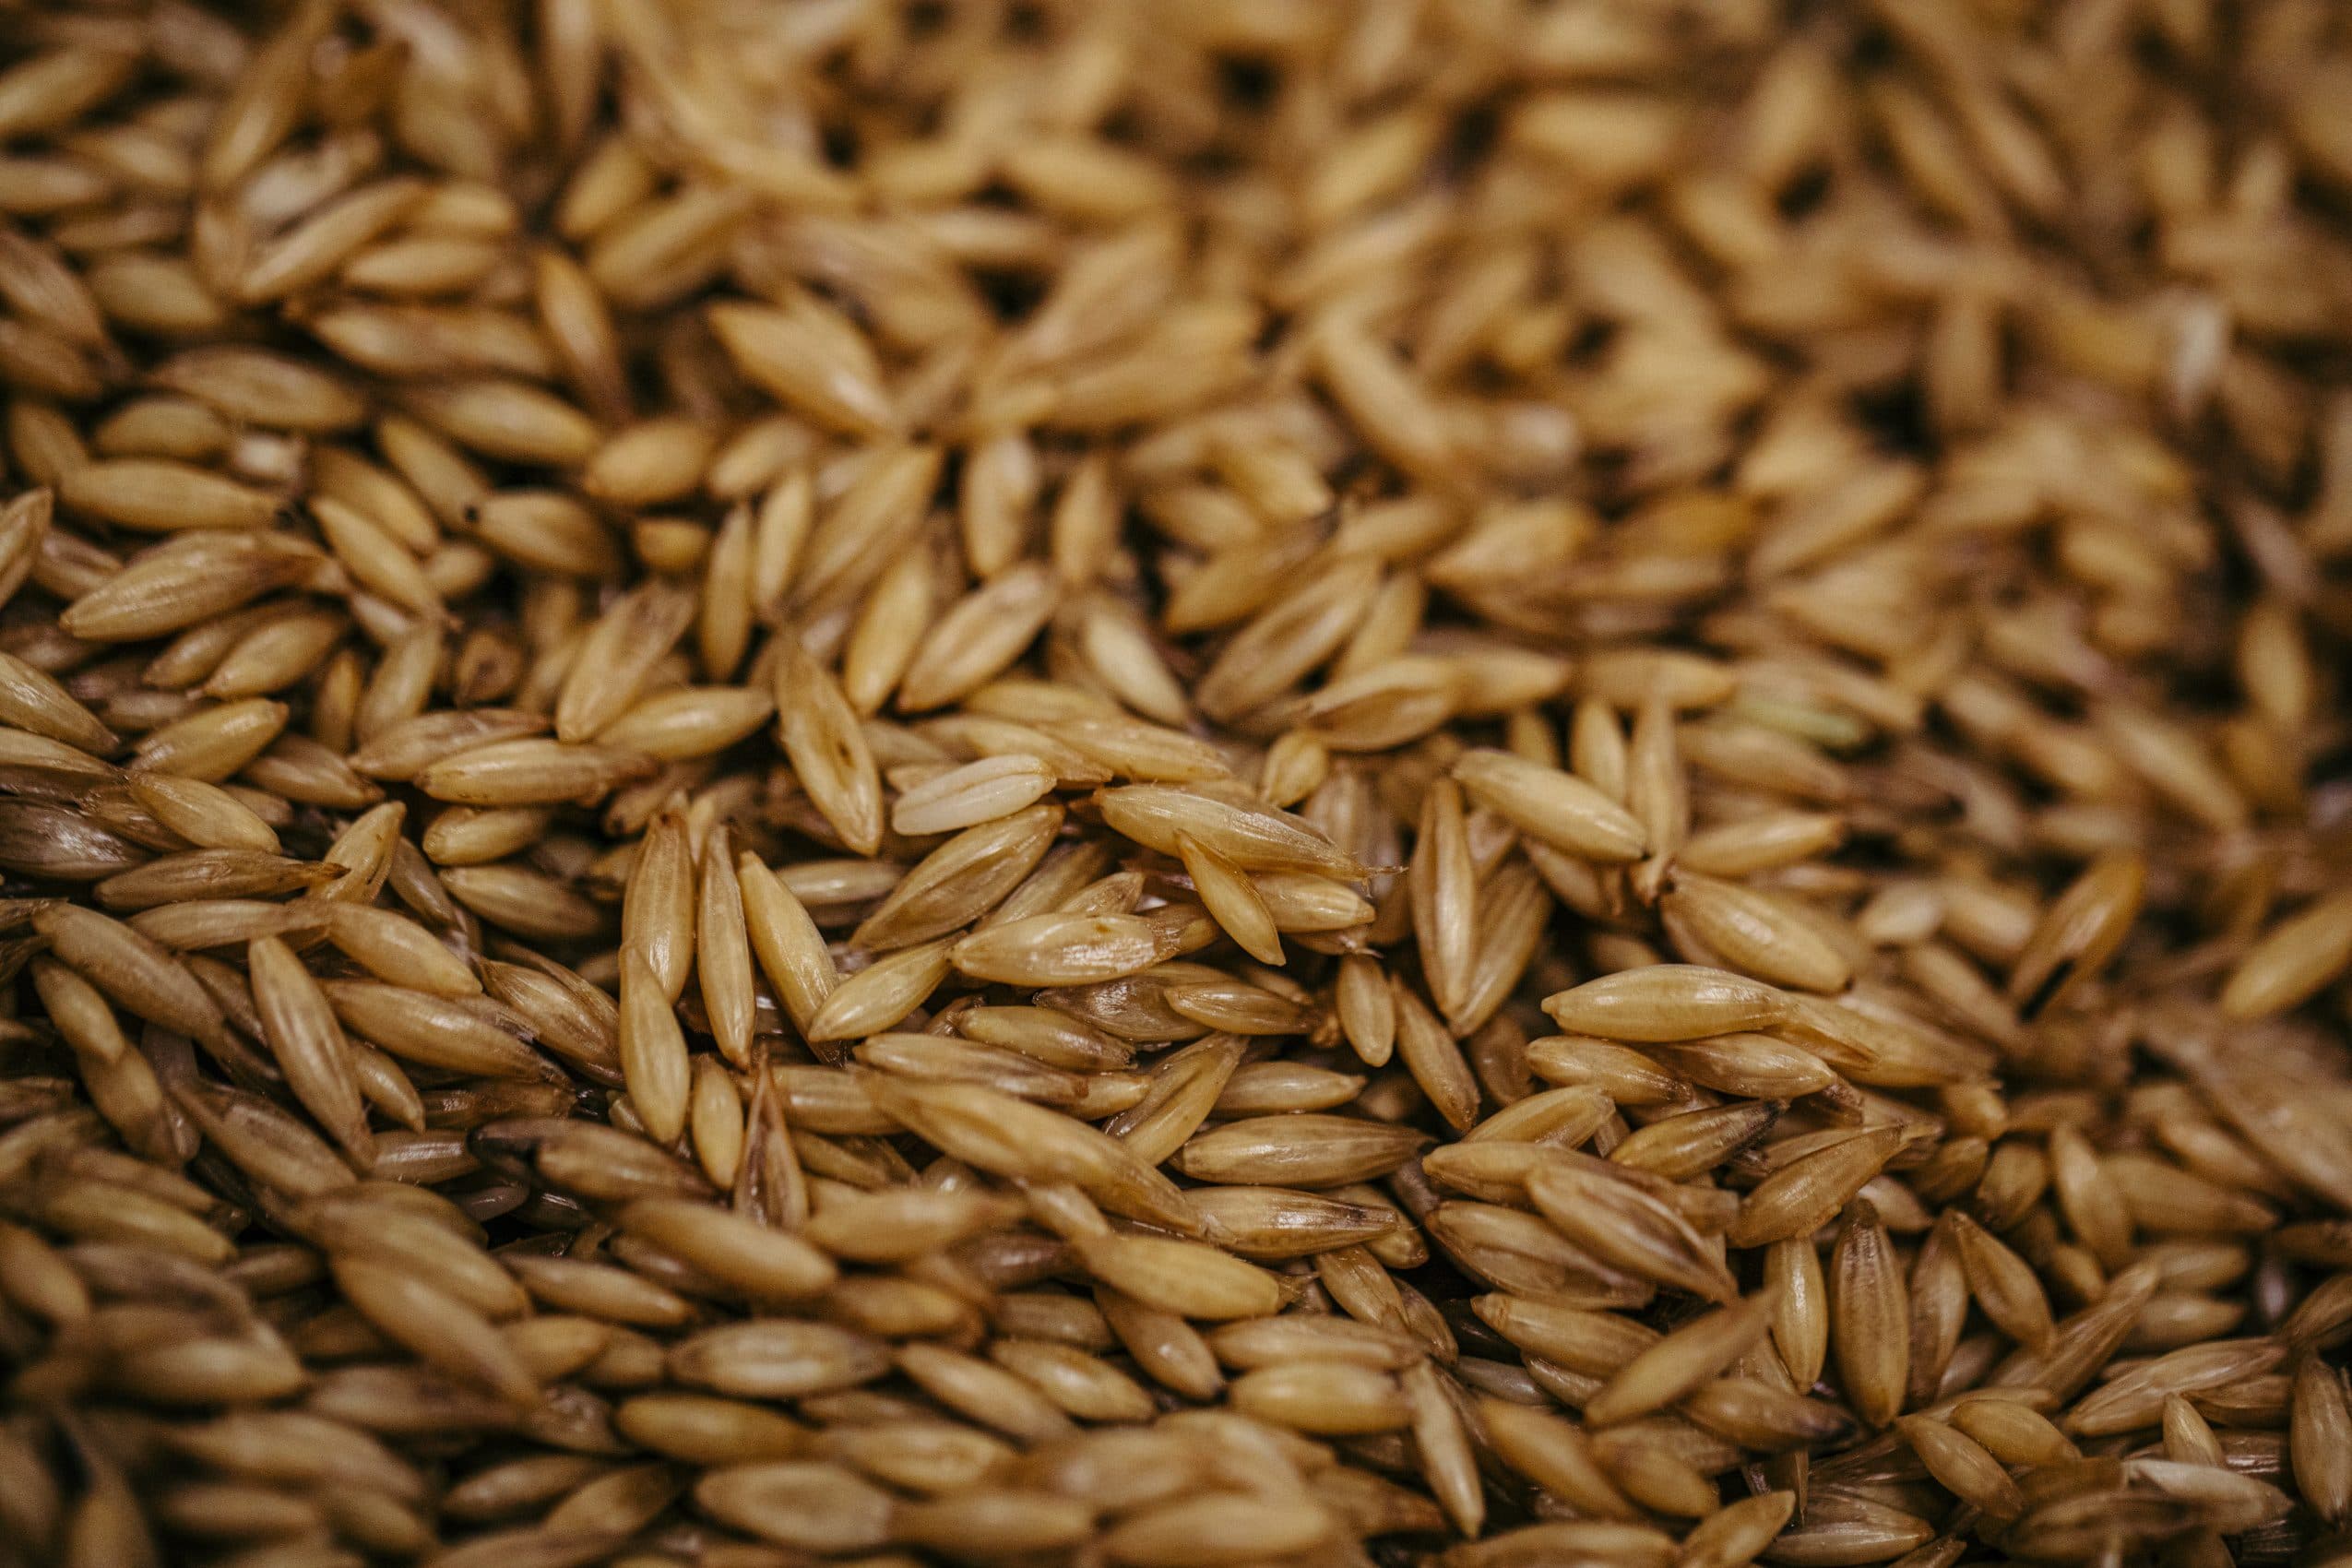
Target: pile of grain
{"x":1155,"y":784}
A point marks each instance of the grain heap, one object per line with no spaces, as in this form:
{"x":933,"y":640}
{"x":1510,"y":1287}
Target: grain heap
{"x":1173,"y":785}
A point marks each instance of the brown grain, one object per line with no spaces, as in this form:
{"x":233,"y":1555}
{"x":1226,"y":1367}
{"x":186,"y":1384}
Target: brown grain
{"x":1453,"y":783}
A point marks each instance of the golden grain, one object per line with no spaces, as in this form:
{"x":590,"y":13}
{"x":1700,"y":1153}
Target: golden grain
{"x":771,"y":769}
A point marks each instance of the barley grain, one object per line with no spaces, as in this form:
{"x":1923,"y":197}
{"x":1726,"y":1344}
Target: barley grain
{"x":786,"y":765}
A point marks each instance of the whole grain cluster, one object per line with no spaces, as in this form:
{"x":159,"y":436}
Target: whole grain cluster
{"x":1133,"y":784}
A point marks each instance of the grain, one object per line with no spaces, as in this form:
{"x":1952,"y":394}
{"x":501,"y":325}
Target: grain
{"x":308,"y":1045}
{"x":1665,"y":1002}
{"x":1802,"y":1194}
{"x":2292,"y":962}
{"x":1678,"y":1363}
{"x":1232,"y":899}
{"x":1870,"y":1315}
{"x":1441,"y":883}
{"x":978,"y":638}
{"x":2080,"y":931}
{"x":1461,"y":784}
{"x":132,"y":970}
{"x":2004,"y":1284}
{"x":882,"y":995}
{"x":827,"y":752}
{"x":2317,"y":1439}
{"x":1752,"y":932}
{"x":1621,"y":1225}
{"x":658,"y":906}
{"x":977,"y":792}
{"x":655,"y":1064}
{"x":791,"y":953}
{"x":157,"y":495}
{"x":1557,"y":807}
{"x":731,"y":1248}
{"x":527,"y":773}
{"x":454,"y":1033}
